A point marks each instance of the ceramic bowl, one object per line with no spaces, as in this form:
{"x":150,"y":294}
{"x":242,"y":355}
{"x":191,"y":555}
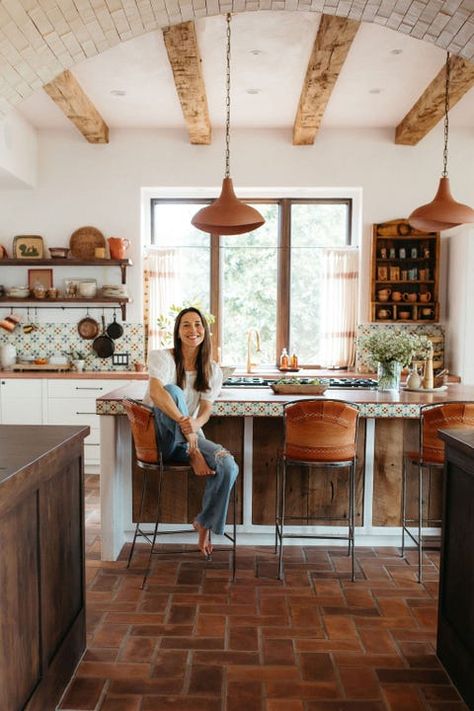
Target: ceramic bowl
{"x":59,"y":252}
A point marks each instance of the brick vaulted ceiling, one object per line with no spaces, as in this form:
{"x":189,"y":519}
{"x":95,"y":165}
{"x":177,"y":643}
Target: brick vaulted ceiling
{"x":39,"y":39}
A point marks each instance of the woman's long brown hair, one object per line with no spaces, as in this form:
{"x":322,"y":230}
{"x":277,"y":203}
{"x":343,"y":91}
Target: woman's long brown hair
{"x":203,"y":358}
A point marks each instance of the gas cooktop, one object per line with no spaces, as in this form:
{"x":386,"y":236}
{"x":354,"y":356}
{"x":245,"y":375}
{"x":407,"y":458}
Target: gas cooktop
{"x":256,"y":382}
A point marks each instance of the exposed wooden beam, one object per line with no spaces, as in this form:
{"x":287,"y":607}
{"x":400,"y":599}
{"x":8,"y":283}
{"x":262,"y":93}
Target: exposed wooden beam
{"x":330,"y":49}
{"x":429,"y":109}
{"x":183,"y":54}
{"x":68,"y":94}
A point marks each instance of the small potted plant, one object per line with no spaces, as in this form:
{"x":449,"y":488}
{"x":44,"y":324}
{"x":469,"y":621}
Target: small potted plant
{"x":77,"y":359}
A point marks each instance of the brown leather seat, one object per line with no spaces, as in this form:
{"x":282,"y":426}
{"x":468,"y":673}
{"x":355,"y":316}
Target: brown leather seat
{"x":149,"y":458}
{"x":430,"y":454}
{"x":317,"y":432}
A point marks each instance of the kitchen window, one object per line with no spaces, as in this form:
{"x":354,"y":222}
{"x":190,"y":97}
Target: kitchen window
{"x":274,"y":279}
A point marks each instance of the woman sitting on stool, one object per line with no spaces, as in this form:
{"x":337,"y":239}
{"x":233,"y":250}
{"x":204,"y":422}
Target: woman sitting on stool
{"x":183,"y":384}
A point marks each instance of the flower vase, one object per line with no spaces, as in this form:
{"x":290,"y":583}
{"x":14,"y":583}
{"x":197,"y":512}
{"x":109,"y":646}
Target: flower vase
{"x":388,"y":375}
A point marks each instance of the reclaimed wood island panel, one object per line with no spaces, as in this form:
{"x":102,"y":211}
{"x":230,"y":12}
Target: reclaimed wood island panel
{"x":42,"y":600}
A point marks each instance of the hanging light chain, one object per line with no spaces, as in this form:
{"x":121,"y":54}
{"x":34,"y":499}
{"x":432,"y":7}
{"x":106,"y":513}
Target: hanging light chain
{"x":446,"y":118}
{"x":227,"y":101}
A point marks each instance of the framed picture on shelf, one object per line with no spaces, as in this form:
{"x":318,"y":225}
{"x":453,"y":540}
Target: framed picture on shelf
{"x":28,"y":247}
{"x":382,"y":273}
{"x":40,"y":277}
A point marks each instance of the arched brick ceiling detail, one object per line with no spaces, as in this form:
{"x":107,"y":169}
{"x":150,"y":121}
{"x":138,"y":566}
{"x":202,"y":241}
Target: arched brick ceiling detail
{"x":41,"y":38}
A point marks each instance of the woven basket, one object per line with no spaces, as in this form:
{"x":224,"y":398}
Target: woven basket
{"x":84,"y":241}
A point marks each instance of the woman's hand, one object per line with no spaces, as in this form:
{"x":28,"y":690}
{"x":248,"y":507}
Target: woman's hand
{"x":188,"y":425}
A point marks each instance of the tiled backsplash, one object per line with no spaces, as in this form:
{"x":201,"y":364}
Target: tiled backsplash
{"x":432,"y":330}
{"x":54,"y":338}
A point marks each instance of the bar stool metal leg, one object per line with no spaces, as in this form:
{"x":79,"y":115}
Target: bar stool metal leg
{"x":155,"y":530}
{"x":420,"y":524}
{"x":404,"y":503}
{"x":140,"y":514}
{"x":352,"y":516}
{"x":282,"y":518}
{"x":277,"y":502}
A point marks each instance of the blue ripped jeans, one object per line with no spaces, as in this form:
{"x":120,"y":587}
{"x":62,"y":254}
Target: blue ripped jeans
{"x":175,"y":446}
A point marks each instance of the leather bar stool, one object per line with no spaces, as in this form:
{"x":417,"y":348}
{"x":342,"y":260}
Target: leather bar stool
{"x":318,"y":433}
{"x":149,"y":458}
{"x":430,"y":456}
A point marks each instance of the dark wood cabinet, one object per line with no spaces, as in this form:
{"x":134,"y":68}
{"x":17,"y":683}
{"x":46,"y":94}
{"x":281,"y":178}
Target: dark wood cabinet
{"x":455,"y":645}
{"x":42,"y":610}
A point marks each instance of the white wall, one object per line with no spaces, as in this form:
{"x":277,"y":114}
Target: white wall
{"x":82,"y":184}
{"x":18,"y":152}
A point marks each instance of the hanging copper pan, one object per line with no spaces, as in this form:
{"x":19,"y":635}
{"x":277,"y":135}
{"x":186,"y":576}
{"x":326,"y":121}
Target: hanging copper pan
{"x":88,"y":328}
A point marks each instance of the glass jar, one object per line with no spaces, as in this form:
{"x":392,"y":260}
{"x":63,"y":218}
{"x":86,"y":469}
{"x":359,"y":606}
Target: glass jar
{"x":388,"y":375}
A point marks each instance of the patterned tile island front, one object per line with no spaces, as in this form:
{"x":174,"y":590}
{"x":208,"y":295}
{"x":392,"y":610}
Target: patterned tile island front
{"x":249,"y":422}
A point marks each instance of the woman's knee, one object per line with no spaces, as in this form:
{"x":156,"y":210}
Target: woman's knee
{"x":227,"y":465}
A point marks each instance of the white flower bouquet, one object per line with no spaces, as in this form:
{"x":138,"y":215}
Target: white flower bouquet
{"x":393,"y":349}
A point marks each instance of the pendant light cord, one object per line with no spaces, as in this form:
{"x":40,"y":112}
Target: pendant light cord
{"x":446,"y":118}
{"x":227,"y":101}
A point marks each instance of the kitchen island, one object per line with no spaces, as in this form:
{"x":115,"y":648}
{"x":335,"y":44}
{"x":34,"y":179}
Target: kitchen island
{"x":249,"y":422}
{"x":42,"y":611}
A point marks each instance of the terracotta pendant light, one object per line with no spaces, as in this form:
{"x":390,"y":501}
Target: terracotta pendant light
{"x":227,"y":215}
{"x":443,"y":212}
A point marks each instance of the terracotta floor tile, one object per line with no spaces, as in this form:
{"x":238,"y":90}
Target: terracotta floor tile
{"x":94,"y":654}
{"x":339,"y":627}
{"x":284,"y":705}
{"x":412,"y":676}
{"x":244,"y":696}
{"x":303,"y":690}
{"x":440,"y":693}
{"x":109,"y":670}
{"x":243,"y":638}
{"x":176,"y":703}
{"x":381,"y":661}
{"x":262,"y":673}
{"x":211,"y":625}
{"x":144,"y":687}
{"x":401,"y":698}
{"x":206,"y":680}
{"x":82,"y":694}
{"x":137,"y":649}
{"x":226,"y":658}
{"x":328,"y":645}
{"x":121,"y":703}
{"x":278,"y":651}
{"x":345,"y":706}
{"x":191,"y":643}
{"x":377,"y":641}
{"x":316,"y":666}
{"x":360,"y":683}
{"x":169,"y":664}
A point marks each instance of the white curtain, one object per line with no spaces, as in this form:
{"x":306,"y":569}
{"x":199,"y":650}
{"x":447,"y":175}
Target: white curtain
{"x":161,"y":270}
{"x":339,"y":296}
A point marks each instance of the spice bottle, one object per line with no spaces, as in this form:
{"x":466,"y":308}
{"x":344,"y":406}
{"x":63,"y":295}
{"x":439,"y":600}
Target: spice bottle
{"x":284,"y":360}
{"x":294,"y":360}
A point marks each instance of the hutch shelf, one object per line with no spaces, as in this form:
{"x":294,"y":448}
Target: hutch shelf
{"x":405,"y":274}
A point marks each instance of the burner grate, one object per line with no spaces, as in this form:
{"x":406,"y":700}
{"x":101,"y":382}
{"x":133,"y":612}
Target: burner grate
{"x":341,"y":383}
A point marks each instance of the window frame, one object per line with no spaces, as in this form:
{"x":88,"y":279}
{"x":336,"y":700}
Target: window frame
{"x":283,"y":258}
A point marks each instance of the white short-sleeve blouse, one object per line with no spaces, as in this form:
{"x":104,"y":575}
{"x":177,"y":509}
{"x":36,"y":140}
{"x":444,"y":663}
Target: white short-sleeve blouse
{"x":161,"y":365}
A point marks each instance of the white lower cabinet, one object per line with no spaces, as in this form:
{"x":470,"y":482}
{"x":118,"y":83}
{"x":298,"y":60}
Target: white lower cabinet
{"x":72,"y":402}
{"x":21,"y":401}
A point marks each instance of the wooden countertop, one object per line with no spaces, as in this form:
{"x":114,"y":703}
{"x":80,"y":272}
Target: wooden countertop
{"x":263,"y":402}
{"x":72,"y":375}
{"x":23,"y":446}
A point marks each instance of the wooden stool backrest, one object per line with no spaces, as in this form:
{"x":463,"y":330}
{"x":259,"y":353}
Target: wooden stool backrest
{"x":449,"y":415}
{"x":321,"y":431}
{"x":142,"y":425}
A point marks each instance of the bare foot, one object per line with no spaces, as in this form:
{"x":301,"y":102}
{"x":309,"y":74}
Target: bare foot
{"x":205,"y":546}
{"x":199,"y":465}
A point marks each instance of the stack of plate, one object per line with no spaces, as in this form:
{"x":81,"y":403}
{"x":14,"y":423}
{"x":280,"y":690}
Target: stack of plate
{"x":18,"y":292}
{"x":115,"y":291}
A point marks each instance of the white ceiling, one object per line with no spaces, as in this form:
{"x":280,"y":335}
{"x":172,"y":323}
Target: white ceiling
{"x":270,"y":52}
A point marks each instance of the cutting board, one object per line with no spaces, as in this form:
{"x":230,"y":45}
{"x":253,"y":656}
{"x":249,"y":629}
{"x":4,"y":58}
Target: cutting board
{"x":35,"y":366}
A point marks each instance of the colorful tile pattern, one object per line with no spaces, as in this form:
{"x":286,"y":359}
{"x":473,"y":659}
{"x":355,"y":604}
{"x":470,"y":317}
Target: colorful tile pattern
{"x":55,"y":338}
{"x":275,"y":409}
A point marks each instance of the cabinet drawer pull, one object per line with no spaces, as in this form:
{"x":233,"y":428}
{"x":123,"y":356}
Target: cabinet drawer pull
{"x":79,"y":388}
{"x":85,"y":413}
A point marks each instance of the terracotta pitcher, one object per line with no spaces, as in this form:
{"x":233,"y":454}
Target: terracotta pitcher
{"x":118,"y":247}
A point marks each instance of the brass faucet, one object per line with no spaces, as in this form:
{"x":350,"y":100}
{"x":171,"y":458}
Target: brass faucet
{"x":252,"y":332}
